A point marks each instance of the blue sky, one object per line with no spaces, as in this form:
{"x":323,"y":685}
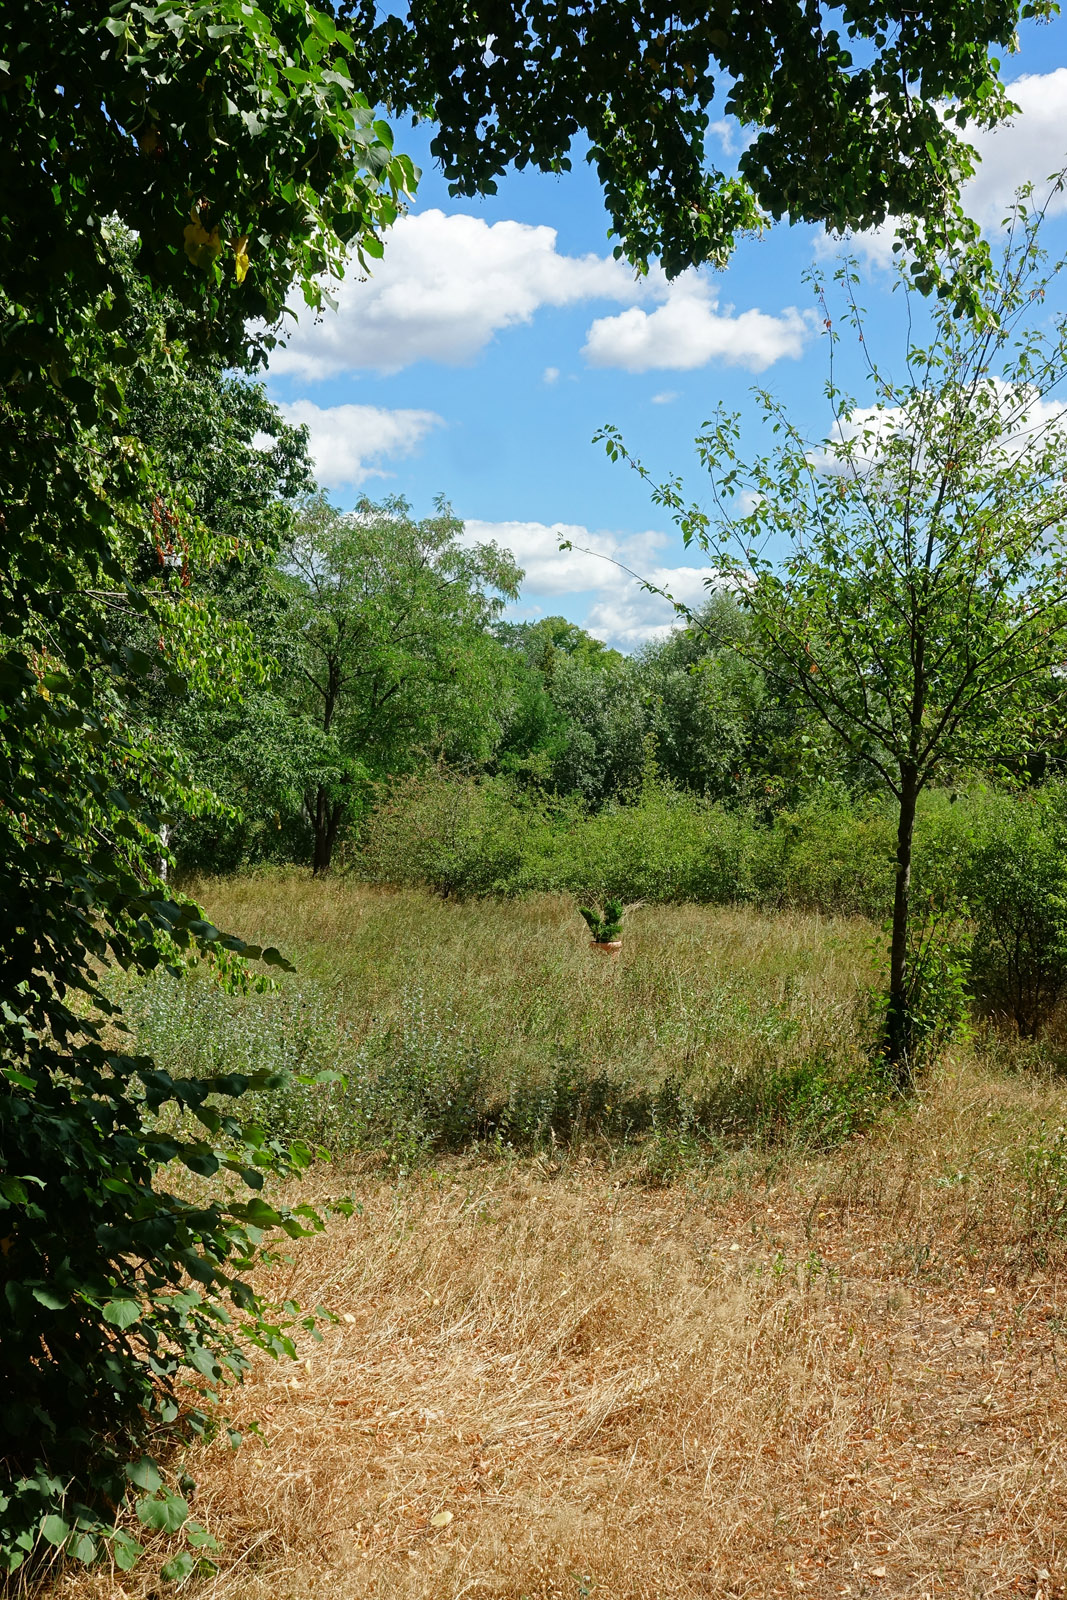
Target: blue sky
{"x":497,"y":335}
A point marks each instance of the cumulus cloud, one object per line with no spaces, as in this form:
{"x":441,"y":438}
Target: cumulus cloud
{"x":1029,"y":423}
{"x":447,"y":284}
{"x":616,"y":608}
{"x":349,"y":442}
{"x":1026,"y":150}
{"x":450,"y":282}
{"x":689,"y":330}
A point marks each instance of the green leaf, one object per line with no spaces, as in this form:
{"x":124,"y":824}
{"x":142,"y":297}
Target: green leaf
{"x":178,"y":1568}
{"x":54,"y":1529}
{"x":165,"y":1513}
{"x":121,"y":1313}
{"x":126,"y":1551}
{"x":83,"y":1548}
{"x":144,"y":1474}
{"x":51,"y":1299}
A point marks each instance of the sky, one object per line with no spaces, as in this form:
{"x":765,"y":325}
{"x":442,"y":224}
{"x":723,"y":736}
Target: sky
{"x":497,"y":335}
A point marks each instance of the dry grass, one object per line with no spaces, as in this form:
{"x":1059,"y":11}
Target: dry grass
{"x":837,"y":1379}
{"x":789,"y":1377}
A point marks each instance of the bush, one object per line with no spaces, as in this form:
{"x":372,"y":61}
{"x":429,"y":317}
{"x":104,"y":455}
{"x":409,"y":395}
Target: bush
{"x":457,"y":836}
{"x":464,"y":837}
{"x":830,"y":856}
{"x":1016,"y":887}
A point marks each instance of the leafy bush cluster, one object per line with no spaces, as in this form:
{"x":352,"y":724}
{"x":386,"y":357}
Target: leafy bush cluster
{"x":463,"y":837}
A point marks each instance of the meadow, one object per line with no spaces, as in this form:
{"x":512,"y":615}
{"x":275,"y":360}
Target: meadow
{"x":653,"y":1288}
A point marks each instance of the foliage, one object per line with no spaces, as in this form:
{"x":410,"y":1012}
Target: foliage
{"x":920,"y":608}
{"x":581,"y":719}
{"x":605,"y":922}
{"x":228,"y":146}
{"x":465,"y":837}
{"x":844,"y":105}
{"x":231,"y":143}
{"x":388,"y":625}
{"x":1016,"y":888}
{"x":241,"y":468}
{"x":542,"y":643}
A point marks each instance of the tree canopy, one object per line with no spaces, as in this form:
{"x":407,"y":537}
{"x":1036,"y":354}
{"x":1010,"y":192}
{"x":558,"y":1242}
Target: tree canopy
{"x":170,"y":173}
{"x":841,"y":105}
{"x":388,"y":618}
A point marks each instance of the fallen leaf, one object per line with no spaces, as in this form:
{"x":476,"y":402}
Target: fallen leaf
{"x":440,"y":1519}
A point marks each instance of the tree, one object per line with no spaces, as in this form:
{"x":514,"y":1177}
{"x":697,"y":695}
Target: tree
{"x":722,"y":726}
{"x":237,"y":161}
{"x":920,"y":608}
{"x":243,"y":470}
{"x":389,"y":618}
{"x":844,"y":104}
{"x":541,"y":642}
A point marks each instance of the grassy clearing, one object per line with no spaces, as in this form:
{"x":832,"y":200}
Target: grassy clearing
{"x":772,"y":1366}
{"x":460,"y":1026}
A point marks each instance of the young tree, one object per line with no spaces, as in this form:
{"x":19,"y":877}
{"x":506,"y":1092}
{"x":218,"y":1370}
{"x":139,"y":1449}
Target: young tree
{"x":389,"y":620}
{"x":920,"y":603}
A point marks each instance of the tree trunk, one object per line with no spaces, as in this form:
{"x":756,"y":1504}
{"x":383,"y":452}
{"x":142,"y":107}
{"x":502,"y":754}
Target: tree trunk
{"x":164,"y":839}
{"x":897,"y":1029}
{"x":326,"y":819}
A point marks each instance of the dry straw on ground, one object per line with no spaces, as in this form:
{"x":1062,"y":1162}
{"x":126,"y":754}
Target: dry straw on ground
{"x":838,"y":1379}
{"x":785,"y":1375}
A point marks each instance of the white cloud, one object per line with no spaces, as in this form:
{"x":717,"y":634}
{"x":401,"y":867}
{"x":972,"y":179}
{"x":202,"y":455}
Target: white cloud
{"x":630,"y":619}
{"x":616,"y":608}
{"x":349,"y":442}
{"x":688,"y":330}
{"x":1029,"y":149}
{"x":447,"y":284}
{"x":450,"y":282}
{"x":728,"y":133}
{"x":664,"y":397}
{"x":1030,"y":424}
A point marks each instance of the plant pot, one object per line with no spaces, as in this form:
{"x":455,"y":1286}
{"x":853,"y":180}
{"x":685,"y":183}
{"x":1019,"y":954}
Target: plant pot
{"x":607,"y":947}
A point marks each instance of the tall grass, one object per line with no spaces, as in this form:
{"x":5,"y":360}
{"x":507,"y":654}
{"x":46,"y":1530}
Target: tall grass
{"x":414,"y":1026}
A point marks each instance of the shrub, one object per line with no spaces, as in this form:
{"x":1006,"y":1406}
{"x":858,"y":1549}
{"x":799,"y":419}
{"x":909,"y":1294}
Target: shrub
{"x":1016,"y":887}
{"x":455,"y":835}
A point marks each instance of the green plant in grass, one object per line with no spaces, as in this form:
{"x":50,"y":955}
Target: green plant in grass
{"x":604,"y":922}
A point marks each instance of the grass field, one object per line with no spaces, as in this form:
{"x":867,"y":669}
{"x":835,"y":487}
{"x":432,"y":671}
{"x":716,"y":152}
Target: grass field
{"x":759,"y":1338}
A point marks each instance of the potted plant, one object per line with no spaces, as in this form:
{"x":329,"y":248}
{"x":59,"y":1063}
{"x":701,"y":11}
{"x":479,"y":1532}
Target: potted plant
{"x":605,"y":924}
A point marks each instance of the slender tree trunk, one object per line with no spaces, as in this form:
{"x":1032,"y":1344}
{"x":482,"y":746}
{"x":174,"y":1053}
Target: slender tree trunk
{"x":897,"y":1040}
{"x":326,"y":819}
{"x":164,"y":839}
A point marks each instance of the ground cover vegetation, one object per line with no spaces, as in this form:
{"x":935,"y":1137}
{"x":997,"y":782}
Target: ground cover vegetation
{"x":174,"y":175}
{"x":650,"y":1289}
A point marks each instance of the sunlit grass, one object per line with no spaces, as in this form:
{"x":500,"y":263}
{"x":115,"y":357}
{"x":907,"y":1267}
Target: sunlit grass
{"x":454,"y":1025}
